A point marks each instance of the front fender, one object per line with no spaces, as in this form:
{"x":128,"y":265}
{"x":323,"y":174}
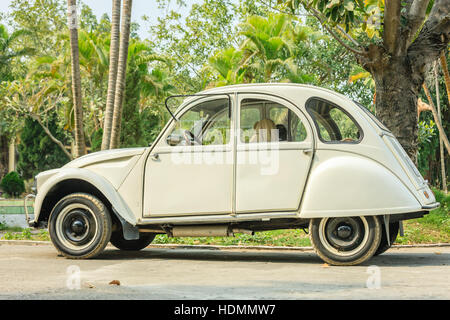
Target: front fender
{"x":353,"y":185}
{"x":97,"y":181}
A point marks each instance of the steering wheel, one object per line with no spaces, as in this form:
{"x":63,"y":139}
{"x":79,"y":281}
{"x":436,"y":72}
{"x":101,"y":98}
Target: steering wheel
{"x":190,"y":138}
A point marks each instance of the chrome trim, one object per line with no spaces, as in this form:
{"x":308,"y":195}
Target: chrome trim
{"x":31,"y":195}
{"x":218,"y":218}
{"x":431,"y":206}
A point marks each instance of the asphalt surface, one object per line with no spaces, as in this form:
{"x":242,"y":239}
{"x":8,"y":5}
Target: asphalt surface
{"x":37,"y":272}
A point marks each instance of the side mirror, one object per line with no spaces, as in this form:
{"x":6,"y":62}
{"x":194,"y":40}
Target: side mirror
{"x":173,"y":140}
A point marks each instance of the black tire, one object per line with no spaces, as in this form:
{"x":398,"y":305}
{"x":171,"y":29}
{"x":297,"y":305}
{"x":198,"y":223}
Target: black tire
{"x":118,"y":241}
{"x":393,"y":233}
{"x":80,"y":226}
{"x":345,"y":241}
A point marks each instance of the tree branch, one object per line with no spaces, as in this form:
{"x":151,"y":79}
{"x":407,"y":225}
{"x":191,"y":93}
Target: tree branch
{"x":436,"y":118}
{"x":416,"y":15}
{"x":432,"y":39}
{"x":391,"y":25}
{"x":317,"y":14}
{"x":51,"y":136}
{"x":322,"y":22}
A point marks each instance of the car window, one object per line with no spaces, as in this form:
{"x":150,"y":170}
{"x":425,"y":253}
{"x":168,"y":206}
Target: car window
{"x":332,"y":122}
{"x":263,"y":120}
{"x":207,"y":123}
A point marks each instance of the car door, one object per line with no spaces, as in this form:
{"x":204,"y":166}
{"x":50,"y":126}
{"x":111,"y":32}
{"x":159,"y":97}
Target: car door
{"x":190,"y":169}
{"x":273,"y":154}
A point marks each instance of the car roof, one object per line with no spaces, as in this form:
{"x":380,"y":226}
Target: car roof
{"x":286,"y":90}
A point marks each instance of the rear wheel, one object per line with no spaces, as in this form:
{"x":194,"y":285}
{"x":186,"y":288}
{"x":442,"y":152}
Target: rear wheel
{"x":345,"y":241}
{"x":393,"y":233}
{"x":80,"y":226}
{"x":118,"y":241}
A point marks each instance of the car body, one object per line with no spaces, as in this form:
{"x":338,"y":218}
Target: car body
{"x":245,"y":158}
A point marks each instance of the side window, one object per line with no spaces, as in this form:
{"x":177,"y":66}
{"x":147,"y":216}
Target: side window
{"x":333,"y":123}
{"x":207,"y":123}
{"x":267,"y":121}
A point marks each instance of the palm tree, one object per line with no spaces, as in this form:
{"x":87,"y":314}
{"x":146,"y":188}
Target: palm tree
{"x":273,"y":47}
{"x":7,"y":54}
{"x":269,"y":41}
{"x":227,"y":64}
{"x":80,"y":147}
{"x":121,"y":74}
{"x":143,"y":88}
{"x":94,"y":64}
{"x":113,"y":64}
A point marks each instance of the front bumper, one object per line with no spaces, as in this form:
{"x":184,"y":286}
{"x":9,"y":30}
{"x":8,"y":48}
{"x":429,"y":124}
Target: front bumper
{"x":27,"y":215}
{"x":431,"y":206}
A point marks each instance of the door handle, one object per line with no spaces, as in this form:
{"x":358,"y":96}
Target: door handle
{"x":306,"y":151}
{"x":154,"y":156}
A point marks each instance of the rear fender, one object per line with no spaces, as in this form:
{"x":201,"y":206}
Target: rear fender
{"x":352,"y":185}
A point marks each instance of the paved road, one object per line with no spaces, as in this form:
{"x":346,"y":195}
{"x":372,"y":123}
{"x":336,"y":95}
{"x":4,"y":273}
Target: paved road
{"x":36,"y":272}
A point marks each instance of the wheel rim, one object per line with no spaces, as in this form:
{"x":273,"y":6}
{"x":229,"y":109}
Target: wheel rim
{"x":344,"y":236}
{"x":76,"y":226}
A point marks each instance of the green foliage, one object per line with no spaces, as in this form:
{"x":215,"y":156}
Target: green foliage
{"x":96,"y":140}
{"x":131,"y":131}
{"x":37,"y":152}
{"x":151,"y":124}
{"x":13,"y":184}
{"x":444,"y":209}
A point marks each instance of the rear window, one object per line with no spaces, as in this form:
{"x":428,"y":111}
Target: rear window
{"x":333,"y":124}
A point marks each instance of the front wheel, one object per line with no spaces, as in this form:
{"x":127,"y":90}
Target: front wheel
{"x":80,"y":226}
{"x":345,"y":241}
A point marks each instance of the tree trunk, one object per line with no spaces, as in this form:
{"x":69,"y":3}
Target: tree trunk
{"x":396,"y":102}
{"x":444,"y":66}
{"x":113,"y":64}
{"x":121,"y":74}
{"x":441,"y":141}
{"x":12,"y":155}
{"x":80,"y":147}
{"x":3,"y":156}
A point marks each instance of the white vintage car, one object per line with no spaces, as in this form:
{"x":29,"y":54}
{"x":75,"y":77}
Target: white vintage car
{"x":241,"y":159}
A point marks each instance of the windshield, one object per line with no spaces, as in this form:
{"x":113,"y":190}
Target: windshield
{"x":372,"y":116}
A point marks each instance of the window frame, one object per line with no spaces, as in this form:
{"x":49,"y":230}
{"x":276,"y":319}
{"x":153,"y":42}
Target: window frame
{"x":274,"y":99}
{"x":347,"y":113}
{"x":192,"y":104}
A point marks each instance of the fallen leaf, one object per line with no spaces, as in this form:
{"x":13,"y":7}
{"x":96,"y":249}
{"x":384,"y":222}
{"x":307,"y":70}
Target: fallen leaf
{"x":325,"y":265}
{"x":115,"y":282}
{"x":437,"y":252}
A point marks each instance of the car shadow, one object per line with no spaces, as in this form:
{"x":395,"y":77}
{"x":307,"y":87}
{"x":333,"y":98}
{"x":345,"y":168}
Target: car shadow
{"x":391,"y":258}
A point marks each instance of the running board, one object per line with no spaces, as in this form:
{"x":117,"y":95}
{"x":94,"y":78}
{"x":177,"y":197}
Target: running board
{"x":218,"y":218}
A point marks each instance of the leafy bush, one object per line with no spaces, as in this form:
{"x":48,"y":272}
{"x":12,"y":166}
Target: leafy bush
{"x":13,"y":184}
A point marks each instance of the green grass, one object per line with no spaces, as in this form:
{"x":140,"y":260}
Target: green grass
{"x":432,"y":228}
{"x":285,"y":238}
